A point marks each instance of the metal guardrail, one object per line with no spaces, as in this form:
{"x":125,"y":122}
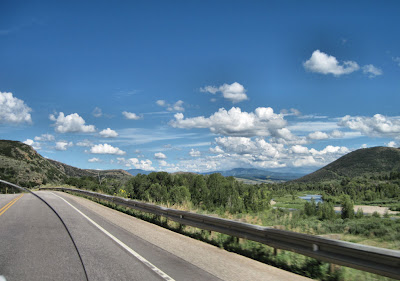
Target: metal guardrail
{"x":367,"y":258}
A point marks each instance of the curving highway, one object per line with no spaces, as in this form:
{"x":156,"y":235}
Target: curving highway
{"x":113,"y":246}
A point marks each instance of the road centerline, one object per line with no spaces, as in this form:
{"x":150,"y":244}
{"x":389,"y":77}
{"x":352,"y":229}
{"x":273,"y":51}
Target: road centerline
{"x":9,"y":204}
{"x":122,"y":244}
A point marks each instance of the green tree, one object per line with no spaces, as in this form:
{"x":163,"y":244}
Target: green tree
{"x":347,"y":207}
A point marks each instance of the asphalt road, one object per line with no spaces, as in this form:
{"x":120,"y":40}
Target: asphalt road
{"x":34,"y":245}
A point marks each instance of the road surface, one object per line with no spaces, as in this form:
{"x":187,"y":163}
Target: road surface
{"x":113,"y":246}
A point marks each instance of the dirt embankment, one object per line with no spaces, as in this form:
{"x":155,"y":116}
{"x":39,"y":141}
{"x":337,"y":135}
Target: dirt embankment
{"x":371,"y":209}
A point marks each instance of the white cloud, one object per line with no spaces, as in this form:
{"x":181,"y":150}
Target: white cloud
{"x":290,"y":112}
{"x":263,"y":122}
{"x":194,"y":153}
{"x":63,"y":145}
{"x":161,"y":103}
{"x":326,"y":64}
{"x":209,"y":89}
{"x":391,"y":144}
{"x":372,"y":70}
{"x":131,"y":115}
{"x":243,"y":145}
{"x":159,"y":155}
{"x":45,"y":137}
{"x":376,"y":126}
{"x":305,"y":161}
{"x":108,"y":133}
{"x":94,"y":160}
{"x":337,"y":134}
{"x":339,"y":150}
{"x":163,"y":163}
{"x":97,"y":112}
{"x":85,"y":143}
{"x":176,"y":106}
{"x":299,"y":149}
{"x":13,"y":110}
{"x":318,"y":135}
{"x":72,"y":123}
{"x":396,"y":59}
{"x":106,"y":149}
{"x":312,"y":126}
{"x":138,"y":164}
{"x":234,"y":92}
{"x":35,"y":145}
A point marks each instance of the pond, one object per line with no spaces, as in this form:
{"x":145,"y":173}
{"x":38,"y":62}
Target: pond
{"x":317,"y":198}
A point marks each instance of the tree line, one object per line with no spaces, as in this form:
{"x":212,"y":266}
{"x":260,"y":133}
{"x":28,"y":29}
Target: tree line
{"x":209,"y":192}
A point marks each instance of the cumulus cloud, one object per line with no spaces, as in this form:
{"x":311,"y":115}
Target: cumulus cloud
{"x":194,"y":153}
{"x":159,"y":155}
{"x":13,"y":110}
{"x":290,"y":112}
{"x":177,"y":106}
{"x":63,"y":145}
{"x":337,"y":134}
{"x":85,"y":143}
{"x":320,"y":62}
{"x":94,"y":160}
{"x":97,"y":112}
{"x":234,"y":92}
{"x":106,"y":149}
{"x":138,"y":164}
{"x":299,"y":149}
{"x":330,"y":149}
{"x":372,"y":71}
{"x":396,"y":59}
{"x":131,"y":115}
{"x":391,"y":144}
{"x":35,"y":145}
{"x":318,"y":135}
{"x":305,"y":161}
{"x":163,"y":163}
{"x":72,"y":123}
{"x":108,"y":133}
{"x":45,"y":137}
{"x":161,"y":103}
{"x":262,"y":122}
{"x":376,"y":126}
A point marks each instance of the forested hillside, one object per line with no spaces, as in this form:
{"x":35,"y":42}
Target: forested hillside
{"x":374,"y":161}
{"x":21,"y":164}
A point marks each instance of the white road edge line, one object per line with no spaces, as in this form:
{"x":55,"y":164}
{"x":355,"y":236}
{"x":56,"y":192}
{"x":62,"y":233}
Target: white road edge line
{"x":122,"y":244}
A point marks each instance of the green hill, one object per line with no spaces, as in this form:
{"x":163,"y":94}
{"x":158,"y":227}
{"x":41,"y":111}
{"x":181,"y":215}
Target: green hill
{"x":362,"y":162}
{"x":21,"y":164}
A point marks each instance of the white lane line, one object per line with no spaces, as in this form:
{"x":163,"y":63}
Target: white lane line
{"x":122,"y":244}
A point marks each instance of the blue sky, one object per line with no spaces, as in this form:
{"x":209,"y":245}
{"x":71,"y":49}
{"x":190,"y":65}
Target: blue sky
{"x":200,"y":85}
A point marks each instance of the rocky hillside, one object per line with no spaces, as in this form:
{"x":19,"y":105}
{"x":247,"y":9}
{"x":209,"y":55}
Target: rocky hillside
{"x":362,"y":162}
{"x":21,"y":164}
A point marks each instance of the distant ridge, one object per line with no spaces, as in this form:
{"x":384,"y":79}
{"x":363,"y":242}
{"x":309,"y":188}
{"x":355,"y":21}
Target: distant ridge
{"x":135,"y":172}
{"x":258,"y":174}
{"x":361,"y":162}
{"x":21,"y":164}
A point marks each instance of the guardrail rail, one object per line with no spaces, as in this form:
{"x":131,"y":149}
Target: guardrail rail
{"x":367,"y":258}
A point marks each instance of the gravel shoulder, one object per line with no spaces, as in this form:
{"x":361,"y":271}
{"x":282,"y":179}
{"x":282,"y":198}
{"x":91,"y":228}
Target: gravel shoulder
{"x":220,"y":263}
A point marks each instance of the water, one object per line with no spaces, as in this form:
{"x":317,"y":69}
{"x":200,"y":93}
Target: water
{"x":317,"y":198}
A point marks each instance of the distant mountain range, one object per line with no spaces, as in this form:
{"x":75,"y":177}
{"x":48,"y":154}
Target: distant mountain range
{"x":361,"y":162}
{"x":258,"y":174}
